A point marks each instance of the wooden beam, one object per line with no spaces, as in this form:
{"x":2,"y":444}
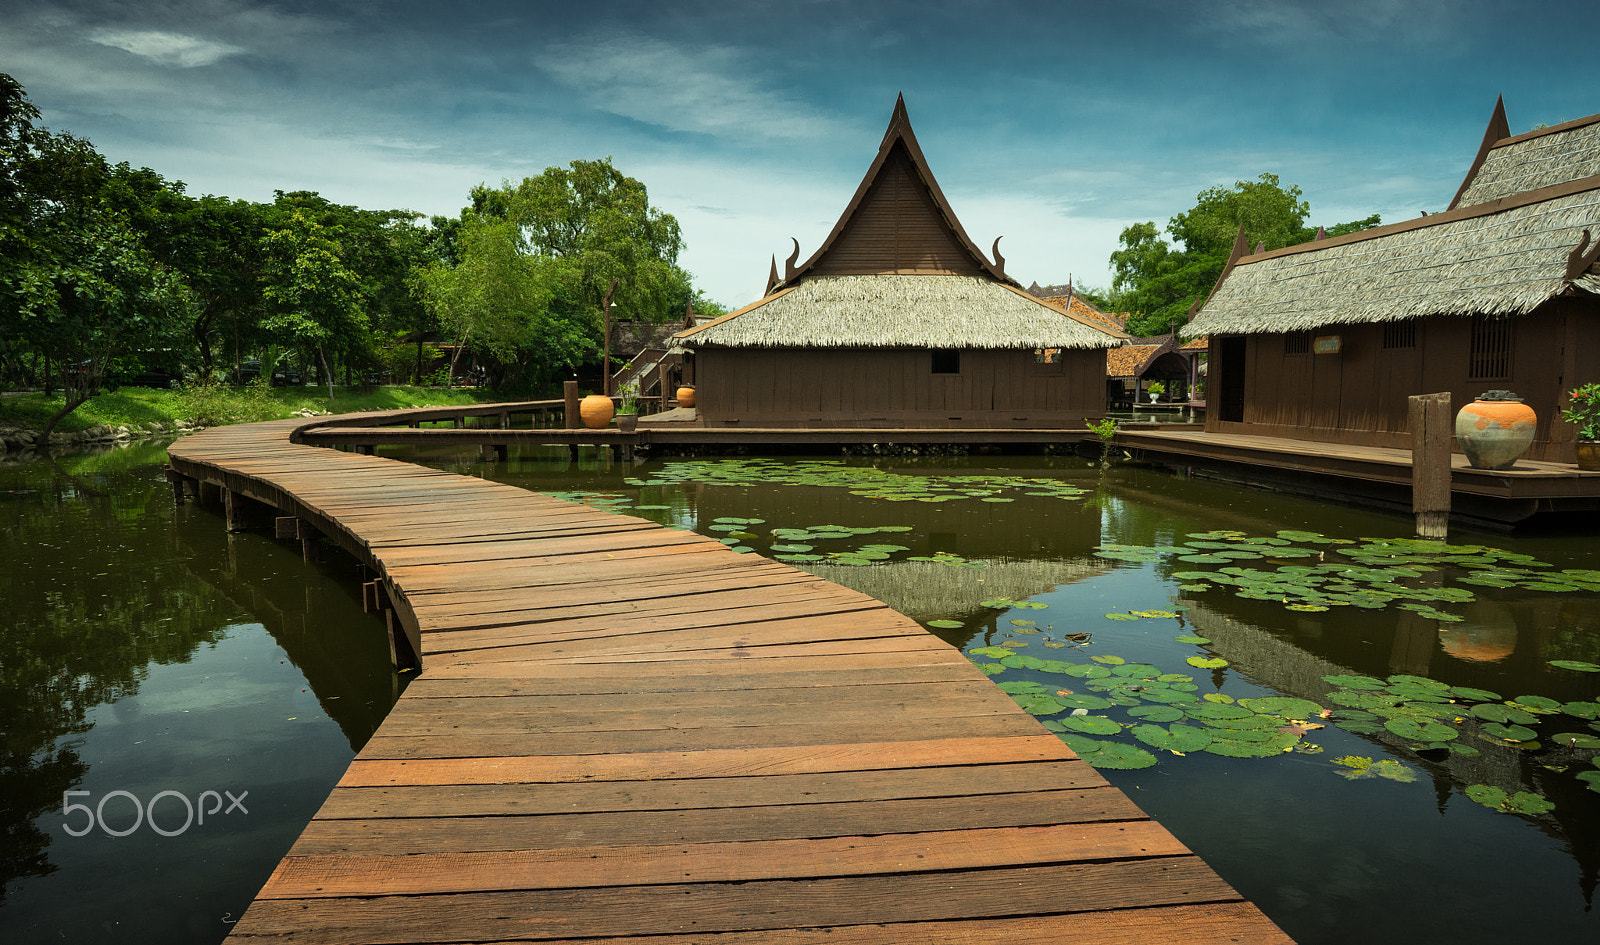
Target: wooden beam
{"x":569,"y":391}
{"x":1431,"y":435}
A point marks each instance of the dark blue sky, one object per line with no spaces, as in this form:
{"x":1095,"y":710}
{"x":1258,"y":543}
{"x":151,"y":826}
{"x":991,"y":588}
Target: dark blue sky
{"x":1052,"y":124}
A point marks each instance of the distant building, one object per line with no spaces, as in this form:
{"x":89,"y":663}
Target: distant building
{"x":898,"y":320}
{"x":1326,"y":340}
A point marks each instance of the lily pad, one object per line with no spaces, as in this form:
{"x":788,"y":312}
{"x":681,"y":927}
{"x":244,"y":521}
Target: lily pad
{"x":1522,"y":802}
{"x":1177,"y":738}
{"x":1421,"y":730}
{"x":1157,"y":713}
{"x":1206,"y":662}
{"x":946,"y":624}
{"x":1092,"y":725}
{"x":1510,"y":733}
{"x":1121,"y":756}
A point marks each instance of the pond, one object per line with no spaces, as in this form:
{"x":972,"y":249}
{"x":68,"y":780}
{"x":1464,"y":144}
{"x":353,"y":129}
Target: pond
{"x":1371,"y":738}
{"x":1421,"y":769}
{"x":147,"y":658}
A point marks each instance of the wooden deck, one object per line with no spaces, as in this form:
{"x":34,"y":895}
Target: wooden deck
{"x":1373,"y":475}
{"x":624,"y":732}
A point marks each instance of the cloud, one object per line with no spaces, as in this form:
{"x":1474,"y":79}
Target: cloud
{"x":700,"y":89}
{"x":164,"y":48}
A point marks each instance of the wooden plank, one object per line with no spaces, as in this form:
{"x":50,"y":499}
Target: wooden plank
{"x":589,"y":866}
{"x":723,"y":794}
{"x":546,"y":915}
{"x":713,"y":763}
{"x":437,"y":834}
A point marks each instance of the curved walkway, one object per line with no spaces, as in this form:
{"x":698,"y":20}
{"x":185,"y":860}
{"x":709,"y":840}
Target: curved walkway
{"x":624,"y":731}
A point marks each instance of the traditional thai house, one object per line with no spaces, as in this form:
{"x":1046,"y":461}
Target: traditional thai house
{"x":1326,"y":340}
{"x":897,"y":320}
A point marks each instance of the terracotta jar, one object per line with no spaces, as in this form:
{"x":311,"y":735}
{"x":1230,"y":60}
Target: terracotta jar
{"x":596,"y":411}
{"x":686,"y":396}
{"x":1495,"y":429}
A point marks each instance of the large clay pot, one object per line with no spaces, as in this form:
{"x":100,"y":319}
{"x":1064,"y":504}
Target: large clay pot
{"x":596,"y":411}
{"x":686,"y":396}
{"x":1495,"y":429}
{"x":1589,"y":455}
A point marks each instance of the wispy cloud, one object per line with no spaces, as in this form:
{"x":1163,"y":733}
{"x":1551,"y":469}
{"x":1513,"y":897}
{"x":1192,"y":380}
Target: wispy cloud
{"x":164,"y":48}
{"x":699,"y":89}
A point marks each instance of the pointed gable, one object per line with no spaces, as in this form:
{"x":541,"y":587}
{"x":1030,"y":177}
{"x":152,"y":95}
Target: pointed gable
{"x":898,"y":222}
{"x":1508,"y":165}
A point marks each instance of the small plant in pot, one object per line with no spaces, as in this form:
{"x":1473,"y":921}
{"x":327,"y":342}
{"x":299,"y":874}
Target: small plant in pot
{"x":1583,"y":411}
{"x":1155,"y":389}
{"x":628,"y":407}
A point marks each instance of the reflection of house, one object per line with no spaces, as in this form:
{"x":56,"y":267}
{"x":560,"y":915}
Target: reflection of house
{"x":898,"y":320}
{"x":1327,"y":339}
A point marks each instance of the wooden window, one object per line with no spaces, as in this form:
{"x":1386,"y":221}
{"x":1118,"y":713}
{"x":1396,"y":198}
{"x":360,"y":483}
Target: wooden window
{"x":1297,"y":342}
{"x":1490,"y":352}
{"x":947,"y":361}
{"x":1046,"y":355}
{"x":1400,"y":334}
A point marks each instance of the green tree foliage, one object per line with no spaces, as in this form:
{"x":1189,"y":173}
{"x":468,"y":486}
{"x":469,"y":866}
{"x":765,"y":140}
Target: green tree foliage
{"x":1158,"y":281}
{"x":313,"y":300}
{"x":77,"y":284}
{"x":520,"y":279}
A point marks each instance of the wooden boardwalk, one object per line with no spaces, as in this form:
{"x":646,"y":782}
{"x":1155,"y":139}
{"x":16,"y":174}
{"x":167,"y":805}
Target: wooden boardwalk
{"x":623,"y":732}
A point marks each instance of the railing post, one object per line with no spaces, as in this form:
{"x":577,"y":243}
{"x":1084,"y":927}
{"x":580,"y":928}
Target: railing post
{"x":1431,"y":434}
{"x":569,"y":389}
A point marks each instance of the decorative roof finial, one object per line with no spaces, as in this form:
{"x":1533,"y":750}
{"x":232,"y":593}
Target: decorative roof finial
{"x":999,"y":260}
{"x":788,"y":264}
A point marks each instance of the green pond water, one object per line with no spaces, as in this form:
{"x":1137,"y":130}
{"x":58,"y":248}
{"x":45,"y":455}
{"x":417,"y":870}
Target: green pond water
{"x":145,"y":650}
{"x":1371,"y":739}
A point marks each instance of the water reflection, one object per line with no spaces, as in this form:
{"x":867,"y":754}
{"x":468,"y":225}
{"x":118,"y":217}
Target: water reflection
{"x":145,"y":650}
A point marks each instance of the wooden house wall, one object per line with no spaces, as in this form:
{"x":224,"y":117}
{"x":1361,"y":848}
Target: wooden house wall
{"x":1358,"y":396}
{"x":895,"y":387}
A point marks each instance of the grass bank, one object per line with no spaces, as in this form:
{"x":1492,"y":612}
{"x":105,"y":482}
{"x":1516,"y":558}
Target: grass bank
{"x":213,"y":406}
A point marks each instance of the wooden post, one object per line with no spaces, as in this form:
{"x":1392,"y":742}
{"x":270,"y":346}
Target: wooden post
{"x":664,"y":375}
{"x":1431,"y":434}
{"x":234,"y":511}
{"x":569,"y":390}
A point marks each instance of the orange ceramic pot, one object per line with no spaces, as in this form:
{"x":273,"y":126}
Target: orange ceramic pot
{"x":596,"y":411}
{"x":1495,"y":429}
{"x":686,"y":396}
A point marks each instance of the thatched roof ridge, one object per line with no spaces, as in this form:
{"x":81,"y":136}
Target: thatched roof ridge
{"x":898,"y":149}
{"x":1542,"y":158}
{"x":898,"y":311}
{"x":1501,"y":258}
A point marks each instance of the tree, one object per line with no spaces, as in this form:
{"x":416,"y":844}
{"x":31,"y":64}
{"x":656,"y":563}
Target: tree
{"x":531,"y":262}
{"x":1158,"y":282}
{"x":77,"y":285}
{"x":313,"y":300}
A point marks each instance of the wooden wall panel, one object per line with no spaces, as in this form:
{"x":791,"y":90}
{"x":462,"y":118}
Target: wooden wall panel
{"x":896,"y":228}
{"x":889,"y":387}
{"x":1359,"y":396}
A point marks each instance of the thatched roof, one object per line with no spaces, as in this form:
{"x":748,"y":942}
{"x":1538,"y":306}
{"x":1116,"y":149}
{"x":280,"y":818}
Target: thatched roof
{"x":1504,"y":257}
{"x":1542,"y":158}
{"x":898,"y":311}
